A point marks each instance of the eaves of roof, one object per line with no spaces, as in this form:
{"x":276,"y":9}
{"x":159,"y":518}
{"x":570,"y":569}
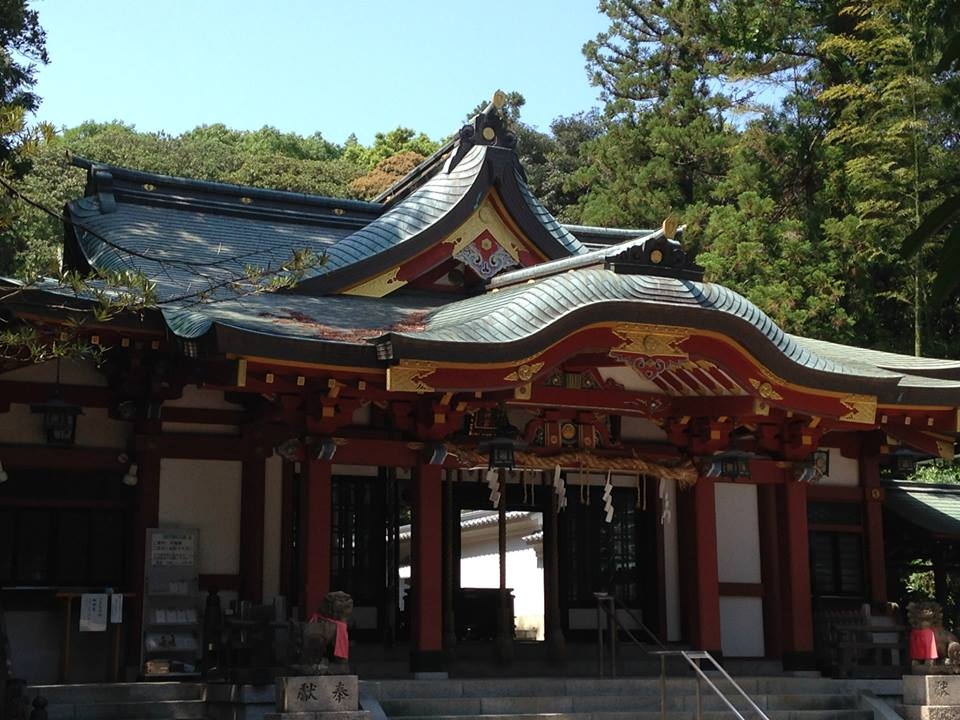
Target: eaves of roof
{"x":933,"y":508}
{"x":520,"y":321}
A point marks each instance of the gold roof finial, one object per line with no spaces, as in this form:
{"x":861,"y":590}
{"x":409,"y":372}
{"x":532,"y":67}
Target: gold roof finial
{"x":499,"y":99}
{"x":669,"y":226}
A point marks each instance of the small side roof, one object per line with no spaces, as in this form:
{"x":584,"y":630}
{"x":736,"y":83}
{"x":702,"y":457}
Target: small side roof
{"x":932,"y":508}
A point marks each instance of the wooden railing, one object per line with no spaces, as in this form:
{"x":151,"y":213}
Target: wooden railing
{"x":870,"y":651}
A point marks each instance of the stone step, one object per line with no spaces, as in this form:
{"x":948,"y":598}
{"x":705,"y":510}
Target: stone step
{"x":92,"y":693}
{"x":505,"y":705}
{"x":552,"y":687}
{"x":641,"y":715}
{"x":141,"y":710}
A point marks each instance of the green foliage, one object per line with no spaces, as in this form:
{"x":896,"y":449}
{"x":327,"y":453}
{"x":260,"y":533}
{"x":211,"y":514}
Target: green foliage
{"x":801,"y":203}
{"x":939,"y":472}
{"x":387,"y":144}
{"x":387,"y":172}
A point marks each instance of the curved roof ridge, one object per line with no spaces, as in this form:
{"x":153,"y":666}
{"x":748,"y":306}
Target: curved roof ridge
{"x":511,"y":317}
{"x":401,"y":223}
{"x":233,"y":190}
{"x":553,"y":226}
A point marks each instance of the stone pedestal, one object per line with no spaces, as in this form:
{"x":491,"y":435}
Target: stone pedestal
{"x":318,"y":697}
{"x":931,"y":697}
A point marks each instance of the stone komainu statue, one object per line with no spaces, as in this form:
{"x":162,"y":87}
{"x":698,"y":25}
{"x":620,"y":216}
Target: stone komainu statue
{"x":321,"y":645}
{"x":929,"y":639}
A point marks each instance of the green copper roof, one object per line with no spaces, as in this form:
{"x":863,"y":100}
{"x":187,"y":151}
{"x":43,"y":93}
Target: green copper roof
{"x":934,"y":508}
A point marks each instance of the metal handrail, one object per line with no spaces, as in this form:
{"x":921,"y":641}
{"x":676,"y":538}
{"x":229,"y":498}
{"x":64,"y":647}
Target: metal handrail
{"x":692,"y":657}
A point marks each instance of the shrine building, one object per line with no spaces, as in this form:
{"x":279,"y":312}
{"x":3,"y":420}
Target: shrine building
{"x":667,"y":442}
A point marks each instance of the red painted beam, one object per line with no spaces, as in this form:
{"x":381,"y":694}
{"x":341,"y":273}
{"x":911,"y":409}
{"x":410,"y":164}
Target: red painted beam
{"x":37,"y":392}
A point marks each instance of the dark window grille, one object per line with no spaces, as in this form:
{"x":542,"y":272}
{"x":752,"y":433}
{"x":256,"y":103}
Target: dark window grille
{"x":62,"y":547}
{"x":836,"y":564}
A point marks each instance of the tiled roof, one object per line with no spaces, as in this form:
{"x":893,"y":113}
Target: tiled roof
{"x":935,"y":508}
{"x":190,"y":236}
{"x":195,"y":237}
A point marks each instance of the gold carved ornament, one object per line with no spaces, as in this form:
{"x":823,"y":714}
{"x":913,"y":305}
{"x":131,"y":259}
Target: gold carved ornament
{"x":765,"y":390}
{"x":524,"y":373}
{"x":862,"y":409}
{"x":410,"y":376}
{"x":650,"y":340}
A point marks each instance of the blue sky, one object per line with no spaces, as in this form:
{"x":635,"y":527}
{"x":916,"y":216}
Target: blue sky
{"x":358,"y":66}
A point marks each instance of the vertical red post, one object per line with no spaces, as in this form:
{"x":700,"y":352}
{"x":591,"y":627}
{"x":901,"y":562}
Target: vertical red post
{"x":707,"y":572}
{"x":770,"y":569}
{"x":795,"y":570}
{"x":316,"y":534}
{"x":873,"y":520}
{"x":252,"y":499}
{"x":147,"y":516}
{"x":425,"y":571}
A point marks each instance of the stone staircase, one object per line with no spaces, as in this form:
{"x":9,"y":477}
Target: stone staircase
{"x":536,"y":698}
{"x":126,"y":701}
{"x":780,"y":698}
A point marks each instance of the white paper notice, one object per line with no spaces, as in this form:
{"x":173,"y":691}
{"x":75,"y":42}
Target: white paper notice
{"x":116,"y":609}
{"x":93,"y":612}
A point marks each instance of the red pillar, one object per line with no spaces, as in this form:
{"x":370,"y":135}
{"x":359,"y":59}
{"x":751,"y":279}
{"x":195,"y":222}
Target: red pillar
{"x":425,"y":572}
{"x":770,"y":569}
{"x":316,"y":535}
{"x":147,"y":516}
{"x":873,"y":519}
{"x":252,"y":492}
{"x":706,"y":612}
{"x":795,"y":571}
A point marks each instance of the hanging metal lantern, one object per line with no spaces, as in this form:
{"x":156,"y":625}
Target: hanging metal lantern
{"x":59,"y":419}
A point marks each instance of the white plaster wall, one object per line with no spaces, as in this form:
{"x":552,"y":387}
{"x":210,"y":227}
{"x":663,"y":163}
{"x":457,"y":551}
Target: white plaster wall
{"x":194,"y":396}
{"x":671,"y":559}
{"x":205,"y":494}
{"x":72,"y":372}
{"x":844,"y":471}
{"x":95,"y":428}
{"x":738,"y":561}
{"x":738,"y":533}
{"x":629,"y":378}
{"x":741,"y":627}
{"x":21,"y":426}
{"x":355,"y":470}
{"x":635,"y":428}
{"x":272,"y":509}
{"x":199,"y":428}
{"x":361,"y":416}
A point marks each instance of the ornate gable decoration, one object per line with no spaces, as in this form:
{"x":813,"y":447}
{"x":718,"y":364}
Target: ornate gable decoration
{"x":485,"y":256}
{"x":650,"y":349}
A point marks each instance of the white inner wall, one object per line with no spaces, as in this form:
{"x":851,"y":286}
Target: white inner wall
{"x":205,"y":494}
{"x":94,"y":428}
{"x":741,"y":626}
{"x":738,"y":533}
{"x":738,"y":561}
{"x":843,"y":470}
